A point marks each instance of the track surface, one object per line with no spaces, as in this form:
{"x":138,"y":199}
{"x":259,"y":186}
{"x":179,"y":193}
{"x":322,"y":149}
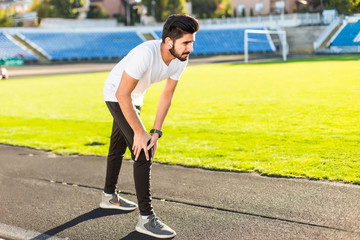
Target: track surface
{"x":58,"y":196}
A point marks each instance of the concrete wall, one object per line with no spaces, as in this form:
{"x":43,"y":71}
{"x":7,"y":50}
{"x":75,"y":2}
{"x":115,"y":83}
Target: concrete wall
{"x":301,"y":39}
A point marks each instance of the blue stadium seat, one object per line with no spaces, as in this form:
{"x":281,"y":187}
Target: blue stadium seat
{"x":8,"y":49}
{"x":84,"y":45}
{"x":347,"y":35}
{"x":69,"y":45}
{"x":227,"y":41}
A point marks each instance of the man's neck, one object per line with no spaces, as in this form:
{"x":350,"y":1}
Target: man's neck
{"x":166,"y":56}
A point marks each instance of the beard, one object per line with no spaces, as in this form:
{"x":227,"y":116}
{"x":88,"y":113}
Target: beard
{"x":178,"y":56}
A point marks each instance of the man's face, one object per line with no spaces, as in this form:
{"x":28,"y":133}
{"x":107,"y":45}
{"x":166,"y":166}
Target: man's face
{"x":182,"y":47}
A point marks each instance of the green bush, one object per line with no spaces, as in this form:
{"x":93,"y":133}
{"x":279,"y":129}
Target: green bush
{"x":97,"y":12}
{"x":5,"y":17}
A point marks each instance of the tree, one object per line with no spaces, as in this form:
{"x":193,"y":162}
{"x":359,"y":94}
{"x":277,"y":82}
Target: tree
{"x":97,"y":12}
{"x":6,"y":17}
{"x":163,"y":8}
{"x":342,"y":6}
{"x":172,"y":7}
{"x":294,"y":9}
{"x":204,"y":8}
{"x":303,"y":9}
{"x":66,"y":8}
{"x":317,"y":5}
{"x":43,"y":9}
{"x":211,"y":8}
{"x":223,"y":8}
{"x":355,"y":6}
{"x":57,"y":8}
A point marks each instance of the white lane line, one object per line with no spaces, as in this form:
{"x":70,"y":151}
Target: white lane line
{"x":13,"y":232}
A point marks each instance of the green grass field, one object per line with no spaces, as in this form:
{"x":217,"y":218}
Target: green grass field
{"x":299,"y":118}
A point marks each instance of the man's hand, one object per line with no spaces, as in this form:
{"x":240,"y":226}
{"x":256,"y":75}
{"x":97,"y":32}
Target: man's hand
{"x":141,"y":143}
{"x":153,"y":143}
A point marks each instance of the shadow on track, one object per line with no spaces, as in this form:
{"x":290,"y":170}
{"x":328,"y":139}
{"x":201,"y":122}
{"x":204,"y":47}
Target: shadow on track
{"x":93,"y":214}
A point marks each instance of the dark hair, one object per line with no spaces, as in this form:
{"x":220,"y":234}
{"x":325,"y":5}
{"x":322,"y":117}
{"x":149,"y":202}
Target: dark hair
{"x":177,"y":25}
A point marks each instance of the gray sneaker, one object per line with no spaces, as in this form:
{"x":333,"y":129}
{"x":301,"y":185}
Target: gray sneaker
{"x":117,"y":202}
{"x":154,"y":227}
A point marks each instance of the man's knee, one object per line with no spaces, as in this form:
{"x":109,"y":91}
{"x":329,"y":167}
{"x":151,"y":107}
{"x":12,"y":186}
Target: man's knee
{"x":142,"y":156}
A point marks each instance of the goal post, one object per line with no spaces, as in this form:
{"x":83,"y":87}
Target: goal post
{"x":280,"y":33}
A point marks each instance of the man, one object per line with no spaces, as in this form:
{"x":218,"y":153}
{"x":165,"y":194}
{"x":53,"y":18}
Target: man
{"x":124,"y":89}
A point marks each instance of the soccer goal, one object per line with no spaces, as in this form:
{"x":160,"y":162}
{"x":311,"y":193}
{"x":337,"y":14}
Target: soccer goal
{"x":275,"y":38}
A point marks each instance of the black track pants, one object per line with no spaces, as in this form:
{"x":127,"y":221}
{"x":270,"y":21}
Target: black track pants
{"x":122,"y":136}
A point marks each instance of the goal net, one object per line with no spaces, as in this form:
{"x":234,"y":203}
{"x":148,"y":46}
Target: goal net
{"x":275,"y":38}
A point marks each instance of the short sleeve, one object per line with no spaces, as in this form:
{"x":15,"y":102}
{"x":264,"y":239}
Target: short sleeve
{"x":179,"y":71}
{"x":138,"y":61}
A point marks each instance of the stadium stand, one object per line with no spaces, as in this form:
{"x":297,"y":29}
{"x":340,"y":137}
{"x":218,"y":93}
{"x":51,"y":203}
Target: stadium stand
{"x":349,"y":36}
{"x":82,"y":45}
{"x":227,"y":41}
{"x":9,"y":49}
{"x":348,"y":39}
{"x":63,"y":45}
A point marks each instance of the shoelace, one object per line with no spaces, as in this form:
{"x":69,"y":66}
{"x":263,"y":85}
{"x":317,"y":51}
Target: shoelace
{"x":121,"y":200}
{"x":117,"y":194}
{"x":157,"y":222}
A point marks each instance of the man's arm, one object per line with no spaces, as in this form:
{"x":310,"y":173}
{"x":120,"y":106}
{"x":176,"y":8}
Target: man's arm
{"x":123,"y":95}
{"x":163,"y":108}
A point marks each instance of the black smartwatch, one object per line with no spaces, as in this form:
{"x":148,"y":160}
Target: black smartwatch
{"x":156,"y":131}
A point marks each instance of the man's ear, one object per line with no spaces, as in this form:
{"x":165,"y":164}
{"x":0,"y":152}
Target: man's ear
{"x":169,"y":42}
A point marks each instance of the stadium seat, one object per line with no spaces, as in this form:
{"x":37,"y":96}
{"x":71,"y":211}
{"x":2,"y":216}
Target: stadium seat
{"x":8,"y":49}
{"x":83,"y":45}
{"x":70,"y":45}
{"x":227,"y":41}
{"x":347,"y":36}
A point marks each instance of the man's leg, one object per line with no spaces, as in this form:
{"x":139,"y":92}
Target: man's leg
{"x":114,"y":160}
{"x":110,"y":198}
{"x":142,"y":177}
{"x":148,"y":223}
{"x":142,"y":167}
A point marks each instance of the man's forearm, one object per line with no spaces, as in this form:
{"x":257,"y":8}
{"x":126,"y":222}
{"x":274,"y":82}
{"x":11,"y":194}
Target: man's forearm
{"x":163,"y":109}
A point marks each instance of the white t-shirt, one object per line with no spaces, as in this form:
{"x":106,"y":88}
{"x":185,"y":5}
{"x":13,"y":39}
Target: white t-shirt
{"x":144,"y":63}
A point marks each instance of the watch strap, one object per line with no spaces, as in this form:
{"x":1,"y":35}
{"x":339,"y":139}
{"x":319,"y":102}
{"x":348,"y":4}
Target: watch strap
{"x":156,"y":131}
